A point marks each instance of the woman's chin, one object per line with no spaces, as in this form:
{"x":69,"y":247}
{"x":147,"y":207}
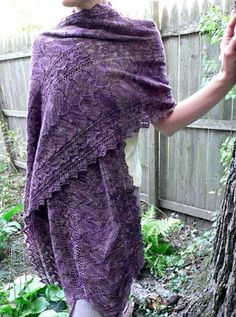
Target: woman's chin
{"x":71,"y":3}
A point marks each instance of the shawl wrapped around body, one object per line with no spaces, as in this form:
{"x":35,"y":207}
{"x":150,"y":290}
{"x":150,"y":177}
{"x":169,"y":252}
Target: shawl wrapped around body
{"x":95,"y":78}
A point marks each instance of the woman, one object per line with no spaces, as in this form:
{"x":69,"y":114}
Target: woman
{"x":96,"y":78}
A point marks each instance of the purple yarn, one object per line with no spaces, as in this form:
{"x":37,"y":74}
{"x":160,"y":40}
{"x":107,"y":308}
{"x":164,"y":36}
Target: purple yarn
{"x":95,"y":78}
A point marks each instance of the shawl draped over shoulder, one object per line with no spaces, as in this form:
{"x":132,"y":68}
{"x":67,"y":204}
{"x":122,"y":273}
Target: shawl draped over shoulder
{"x":95,"y":78}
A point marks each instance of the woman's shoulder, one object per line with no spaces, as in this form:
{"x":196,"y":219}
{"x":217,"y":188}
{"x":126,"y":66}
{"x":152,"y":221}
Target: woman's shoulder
{"x":37,"y":39}
{"x":42,"y":38}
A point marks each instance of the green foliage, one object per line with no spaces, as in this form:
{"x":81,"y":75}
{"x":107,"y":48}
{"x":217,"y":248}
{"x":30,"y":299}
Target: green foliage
{"x":226,"y":157}
{"x":199,"y":247}
{"x":9,"y":214}
{"x":3,"y":166}
{"x":157,"y":248}
{"x":8,"y":228}
{"x":27,"y":296}
{"x":210,"y":69}
{"x":11,"y":186}
{"x":231,"y":94}
{"x":213,"y":24}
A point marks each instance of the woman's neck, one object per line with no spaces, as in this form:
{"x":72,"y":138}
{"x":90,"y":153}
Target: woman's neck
{"x":89,"y":4}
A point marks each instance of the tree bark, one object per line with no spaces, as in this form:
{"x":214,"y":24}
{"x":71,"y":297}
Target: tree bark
{"x":219,"y":297}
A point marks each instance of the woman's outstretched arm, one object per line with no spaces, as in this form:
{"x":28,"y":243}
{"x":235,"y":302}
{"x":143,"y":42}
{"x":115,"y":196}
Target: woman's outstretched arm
{"x":198,"y":104}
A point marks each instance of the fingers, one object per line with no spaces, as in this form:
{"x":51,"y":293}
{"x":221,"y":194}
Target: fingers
{"x":229,"y":32}
{"x":232,"y":45}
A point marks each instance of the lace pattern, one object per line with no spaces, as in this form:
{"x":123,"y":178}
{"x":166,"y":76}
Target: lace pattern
{"x":87,"y":238}
{"x":81,"y":220}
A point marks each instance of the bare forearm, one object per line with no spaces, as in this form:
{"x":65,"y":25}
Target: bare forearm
{"x":195,"y":106}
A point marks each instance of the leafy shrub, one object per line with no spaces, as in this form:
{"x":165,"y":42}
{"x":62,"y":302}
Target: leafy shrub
{"x":9,"y":214}
{"x":27,"y":296}
{"x":155,"y":234}
{"x":7,"y":228}
{"x":213,"y":24}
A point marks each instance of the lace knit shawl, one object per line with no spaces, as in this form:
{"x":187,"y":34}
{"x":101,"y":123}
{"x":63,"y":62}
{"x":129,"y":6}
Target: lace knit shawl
{"x":95,"y":78}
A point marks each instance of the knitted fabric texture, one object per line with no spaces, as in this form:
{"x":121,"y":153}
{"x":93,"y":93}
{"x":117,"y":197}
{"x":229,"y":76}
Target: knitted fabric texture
{"x":95,"y":78}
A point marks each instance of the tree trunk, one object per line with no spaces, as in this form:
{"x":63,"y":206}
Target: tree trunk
{"x":219,"y":297}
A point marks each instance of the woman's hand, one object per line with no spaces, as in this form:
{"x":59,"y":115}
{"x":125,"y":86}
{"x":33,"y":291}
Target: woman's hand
{"x":195,"y":106}
{"x":228,"y":51}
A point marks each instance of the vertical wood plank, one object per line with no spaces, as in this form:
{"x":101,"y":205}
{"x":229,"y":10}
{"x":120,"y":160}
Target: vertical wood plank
{"x":211,"y":173}
{"x":202,"y":167}
{"x":173,"y":75}
{"x":163,"y":166}
{"x":191,"y":134}
{"x":184,"y":82}
{"x":153,"y":172}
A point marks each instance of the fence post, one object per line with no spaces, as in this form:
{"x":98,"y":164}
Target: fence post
{"x":5,"y":129}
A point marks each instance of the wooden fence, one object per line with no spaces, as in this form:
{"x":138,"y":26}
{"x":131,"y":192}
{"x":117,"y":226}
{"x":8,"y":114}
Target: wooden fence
{"x":15,"y":52}
{"x":189,"y":161}
{"x":182,"y":172}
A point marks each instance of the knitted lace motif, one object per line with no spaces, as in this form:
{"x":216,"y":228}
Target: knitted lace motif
{"x":95,"y":78}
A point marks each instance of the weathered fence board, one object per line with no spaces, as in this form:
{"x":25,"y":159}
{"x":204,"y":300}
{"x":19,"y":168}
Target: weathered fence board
{"x":190,"y":159}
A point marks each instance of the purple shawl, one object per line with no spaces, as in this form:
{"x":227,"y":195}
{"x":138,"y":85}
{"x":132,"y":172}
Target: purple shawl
{"x":95,"y":78}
